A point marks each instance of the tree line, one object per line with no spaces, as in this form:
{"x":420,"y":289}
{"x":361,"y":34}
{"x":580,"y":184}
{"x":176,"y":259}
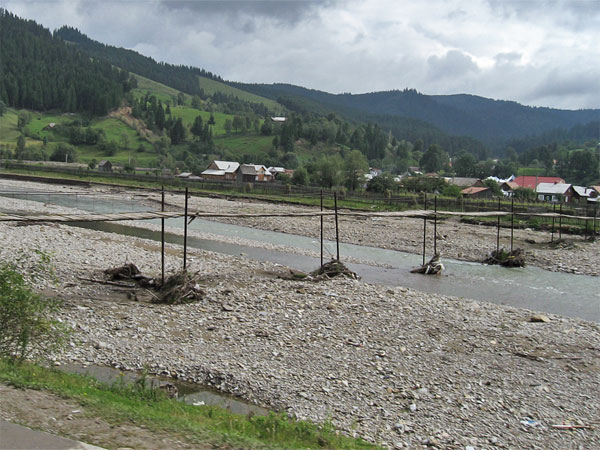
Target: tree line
{"x":180,"y":77}
{"x":41,"y":73}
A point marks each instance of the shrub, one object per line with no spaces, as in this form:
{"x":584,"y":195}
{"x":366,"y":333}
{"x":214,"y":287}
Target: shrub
{"x":64,"y":153}
{"x":381,"y":183}
{"x":28,"y":326}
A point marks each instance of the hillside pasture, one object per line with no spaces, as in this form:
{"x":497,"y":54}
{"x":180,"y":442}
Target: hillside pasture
{"x":114,"y":130}
{"x":159,"y":90}
{"x":8,"y":127}
{"x":39,"y":121}
{"x":188,"y":115}
{"x":241,"y":145}
{"x":211,"y":86}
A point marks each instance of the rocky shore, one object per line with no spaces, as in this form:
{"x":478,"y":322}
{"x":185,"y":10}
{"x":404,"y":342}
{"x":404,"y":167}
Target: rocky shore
{"x":392,"y":365}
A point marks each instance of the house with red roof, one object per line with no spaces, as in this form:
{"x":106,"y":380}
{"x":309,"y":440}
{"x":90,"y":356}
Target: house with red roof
{"x":532,"y":181}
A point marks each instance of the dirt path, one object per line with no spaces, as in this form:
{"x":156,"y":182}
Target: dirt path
{"x":56,"y":415}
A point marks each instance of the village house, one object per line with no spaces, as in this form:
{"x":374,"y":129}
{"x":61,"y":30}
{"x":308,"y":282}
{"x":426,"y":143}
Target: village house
{"x":584,"y":195}
{"x":221,"y":170}
{"x":246,"y":173}
{"x":374,"y":172}
{"x":278,"y":119}
{"x":262,"y":173}
{"x":555,"y":192}
{"x":477,"y":192}
{"x":532,"y":181}
{"x":105,"y":166}
{"x":249,"y":173}
{"x":276,"y":171}
{"x":508,"y":188}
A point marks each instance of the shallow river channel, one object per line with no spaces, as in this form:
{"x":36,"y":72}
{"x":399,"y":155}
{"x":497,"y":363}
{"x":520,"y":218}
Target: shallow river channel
{"x":533,"y":288}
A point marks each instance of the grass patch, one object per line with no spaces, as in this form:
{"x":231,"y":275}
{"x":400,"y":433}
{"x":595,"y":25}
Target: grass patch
{"x":121,"y":403}
{"x":246,"y":144}
{"x":86,"y":153}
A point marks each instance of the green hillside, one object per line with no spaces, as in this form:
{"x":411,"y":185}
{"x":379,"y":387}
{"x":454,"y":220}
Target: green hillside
{"x":211,"y":86}
{"x":162,"y":92}
{"x":8,"y":127}
{"x":188,"y":115}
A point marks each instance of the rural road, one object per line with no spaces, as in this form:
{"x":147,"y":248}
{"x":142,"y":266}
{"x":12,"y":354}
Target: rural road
{"x":17,"y":437}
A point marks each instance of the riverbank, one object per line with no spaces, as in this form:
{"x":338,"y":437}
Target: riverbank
{"x":392,"y":365}
{"x":455,"y":240}
{"x":136,"y":416}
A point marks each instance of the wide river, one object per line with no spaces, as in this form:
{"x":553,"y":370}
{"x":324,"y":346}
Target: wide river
{"x":533,"y":288}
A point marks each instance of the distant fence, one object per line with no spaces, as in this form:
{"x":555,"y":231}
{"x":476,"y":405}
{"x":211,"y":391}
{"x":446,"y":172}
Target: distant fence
{"x":395,"y":200}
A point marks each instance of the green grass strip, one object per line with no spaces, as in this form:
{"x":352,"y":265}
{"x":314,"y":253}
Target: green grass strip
{"x":123,"y":403}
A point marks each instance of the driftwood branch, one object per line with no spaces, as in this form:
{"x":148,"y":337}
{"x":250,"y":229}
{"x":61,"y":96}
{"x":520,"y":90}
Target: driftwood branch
{"x":433,"y":267}
{"x":111,"y":283}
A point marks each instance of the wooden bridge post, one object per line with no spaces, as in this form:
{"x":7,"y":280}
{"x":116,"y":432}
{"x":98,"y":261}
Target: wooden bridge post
{"x":498,"y":230}
{"x":162,"y":236}
{"x":553,"y":221}
{"x":587,"y":226}
{"x":560,"y":223}
{"x":424,"y":228}
{"x":512,"y":223}
{"x":321,"y":227}
{"x":185,"y":230}
{"x":435,"y":225}
{"x":337,"y":234}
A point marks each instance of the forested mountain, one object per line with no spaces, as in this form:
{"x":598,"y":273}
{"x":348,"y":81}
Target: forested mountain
{"x":42,"y":73}
{"x":492,"y":121}
{"x":70,"y":72}
{"x":186,"y":79}
{"x":304,"y":100}
{"x":182,"y":78}
{"x":589,"y":132}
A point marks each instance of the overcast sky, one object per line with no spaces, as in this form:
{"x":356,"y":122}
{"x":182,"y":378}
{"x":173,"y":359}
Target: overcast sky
{"x":536,"y":52}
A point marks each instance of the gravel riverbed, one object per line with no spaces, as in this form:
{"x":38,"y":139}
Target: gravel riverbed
{"x":455,"y":240}
{"x":395,"y":366}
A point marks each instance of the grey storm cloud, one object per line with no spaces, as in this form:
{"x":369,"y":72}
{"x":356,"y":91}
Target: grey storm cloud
{"x":543,"y":53}
{"x":557,"y":84}
{"x":452,"y":64}
{"x":287,"y":11}
{"x":575,"y":14}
